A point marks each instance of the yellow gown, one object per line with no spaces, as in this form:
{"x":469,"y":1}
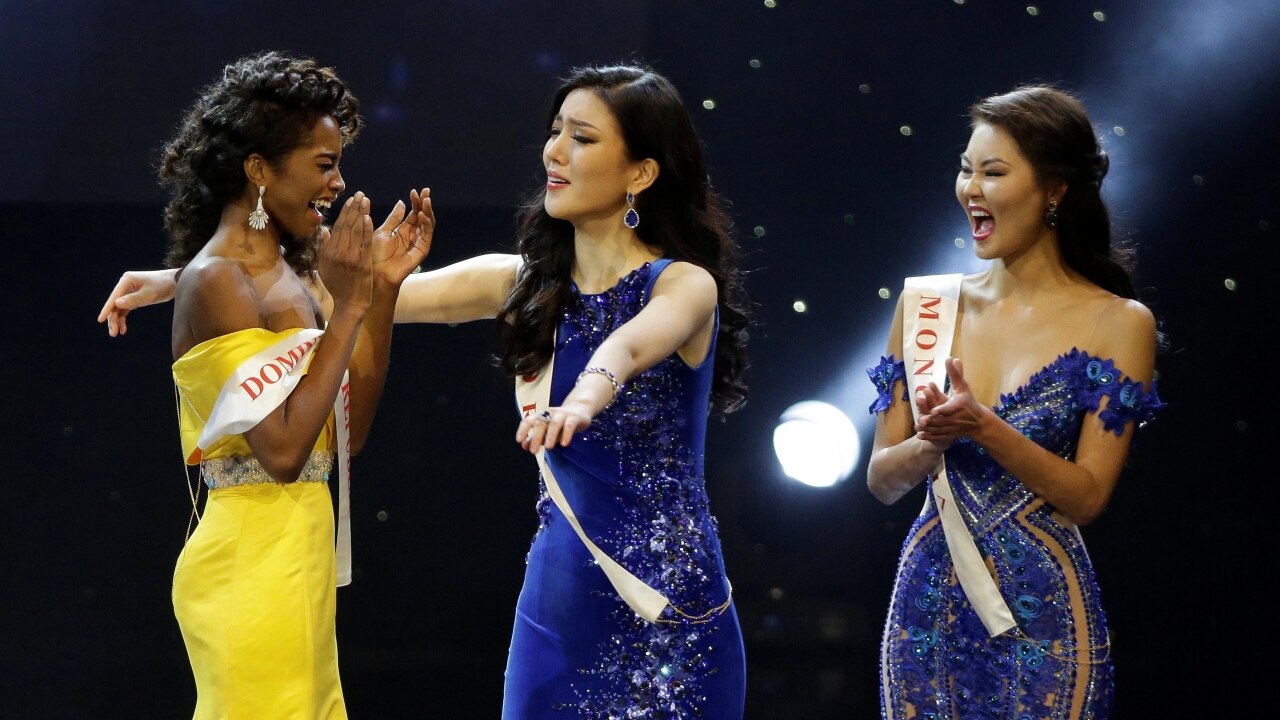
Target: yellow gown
{"x":254,"y":590}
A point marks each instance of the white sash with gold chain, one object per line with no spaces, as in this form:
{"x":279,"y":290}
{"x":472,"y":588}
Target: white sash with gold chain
{"x":930,"y":306}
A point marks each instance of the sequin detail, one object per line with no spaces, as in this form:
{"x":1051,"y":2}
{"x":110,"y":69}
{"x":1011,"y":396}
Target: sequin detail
{"x":1093,"y":378}
{"x":237,"y":470}
{"x":938,"y":660}
{"x":664,"y":532}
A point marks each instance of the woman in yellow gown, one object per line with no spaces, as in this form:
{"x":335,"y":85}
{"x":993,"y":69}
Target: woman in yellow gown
{"x":271,"y":310}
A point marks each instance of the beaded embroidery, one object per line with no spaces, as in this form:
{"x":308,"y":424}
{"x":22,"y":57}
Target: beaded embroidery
{"x":938,"y":659}
{"x":237,"y":470}
{"x":667,"y":536}
{"x":1091,"y":377}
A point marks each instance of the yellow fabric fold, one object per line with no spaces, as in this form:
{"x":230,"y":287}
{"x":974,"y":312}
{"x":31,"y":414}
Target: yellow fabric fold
{"x":199,"y":376}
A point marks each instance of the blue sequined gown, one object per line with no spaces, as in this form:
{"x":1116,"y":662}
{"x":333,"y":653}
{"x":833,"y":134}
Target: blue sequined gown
{"x":937,"y":661}
{"x":635,"y":482}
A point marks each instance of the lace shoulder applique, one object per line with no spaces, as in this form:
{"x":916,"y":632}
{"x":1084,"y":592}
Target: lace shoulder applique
{"x":1127,"y":401}
{"x":884,"y":375}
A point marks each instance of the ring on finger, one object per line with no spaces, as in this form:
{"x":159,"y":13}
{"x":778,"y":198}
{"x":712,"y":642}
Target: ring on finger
{"x":544,"y":416}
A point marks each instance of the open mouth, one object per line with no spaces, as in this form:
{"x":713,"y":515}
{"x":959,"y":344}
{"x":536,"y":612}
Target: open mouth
{"x":982,"y":222}
{"x":320,"y":207}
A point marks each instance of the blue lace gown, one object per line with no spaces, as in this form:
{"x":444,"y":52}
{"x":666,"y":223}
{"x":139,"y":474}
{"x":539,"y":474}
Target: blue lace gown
{"x":937,"y":661}
{"x":635,"y":482}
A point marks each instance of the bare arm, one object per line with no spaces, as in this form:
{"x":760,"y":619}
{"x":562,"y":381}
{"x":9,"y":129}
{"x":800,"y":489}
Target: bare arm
{"x":899,"y":459}
{"x":1081,"y":488}
{"x":135,"y":289}
{"x":471,"y":289}
{"x":679,"y":317}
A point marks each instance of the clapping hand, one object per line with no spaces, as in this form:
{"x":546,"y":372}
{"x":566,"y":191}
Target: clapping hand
{"x":344,"y":259}
{"x":944,"y":417}
{"x":403,"y":240}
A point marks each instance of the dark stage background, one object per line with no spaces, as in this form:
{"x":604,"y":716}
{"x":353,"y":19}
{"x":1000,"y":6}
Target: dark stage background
{"x":838,"y":152}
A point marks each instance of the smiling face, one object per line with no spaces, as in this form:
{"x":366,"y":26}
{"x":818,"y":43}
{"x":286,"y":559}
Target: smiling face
{"x":588,"y":166}
{"x":999,"y":191}
{"x":303,"y":184}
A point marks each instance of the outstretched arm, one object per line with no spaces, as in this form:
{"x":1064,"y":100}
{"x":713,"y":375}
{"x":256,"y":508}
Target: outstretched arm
{"x":679,"y":318}
{"x":135,"y":289}
{"x":472,"y":289}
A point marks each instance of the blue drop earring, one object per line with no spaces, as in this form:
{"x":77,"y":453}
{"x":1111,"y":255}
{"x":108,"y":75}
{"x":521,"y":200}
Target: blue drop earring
{"x":632,"y":218}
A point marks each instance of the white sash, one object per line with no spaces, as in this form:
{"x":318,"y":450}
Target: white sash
{"x":534,"y":395}
{"x":257,"y":387}
{"x":930,"y":305}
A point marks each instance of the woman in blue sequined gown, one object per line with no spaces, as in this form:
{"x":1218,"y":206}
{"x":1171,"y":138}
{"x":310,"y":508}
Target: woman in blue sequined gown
{"x":626,"y":275}
{"x":634,"y":480}
{"x":1050,"y":371}
{"x":633,"y":246}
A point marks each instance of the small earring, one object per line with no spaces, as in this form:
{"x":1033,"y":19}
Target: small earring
{"x":632,"y":218}
{"x":1051,"y":215}
{"x":258,"y":218}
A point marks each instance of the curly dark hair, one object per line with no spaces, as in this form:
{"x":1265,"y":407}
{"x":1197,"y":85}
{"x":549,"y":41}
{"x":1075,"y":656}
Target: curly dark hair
{"x":266,"y":104}
{"x":1053,"y":130}
{"x":682,"y":215}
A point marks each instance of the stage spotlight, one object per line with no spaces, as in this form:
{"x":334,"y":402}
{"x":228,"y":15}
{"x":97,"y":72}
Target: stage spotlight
{"x":816,"y":444}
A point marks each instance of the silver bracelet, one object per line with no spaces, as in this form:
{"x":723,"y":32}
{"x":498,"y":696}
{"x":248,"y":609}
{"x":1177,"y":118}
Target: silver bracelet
{"x":608,"y":375}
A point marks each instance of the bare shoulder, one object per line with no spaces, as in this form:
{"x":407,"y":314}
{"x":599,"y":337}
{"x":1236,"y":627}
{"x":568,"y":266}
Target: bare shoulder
{"x":217,"y":281}
{"x":216,"y":296}
{"x":1126,"y":318}
{"x":1126,"y":333}
{"x":687,"y":277}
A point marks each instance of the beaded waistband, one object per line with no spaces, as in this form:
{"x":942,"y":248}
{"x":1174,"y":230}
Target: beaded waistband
{"x":236,"y":470}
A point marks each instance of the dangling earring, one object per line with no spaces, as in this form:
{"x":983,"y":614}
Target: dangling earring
{"x":1051,"y":215}
{"x":632,"y":218}
{"x":258,"y":218}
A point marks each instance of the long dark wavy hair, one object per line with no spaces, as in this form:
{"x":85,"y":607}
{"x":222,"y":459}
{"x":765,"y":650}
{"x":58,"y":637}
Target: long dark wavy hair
{"x":682,"y":215}
{"x":266,"y":104}
{"x":1054,"y":132}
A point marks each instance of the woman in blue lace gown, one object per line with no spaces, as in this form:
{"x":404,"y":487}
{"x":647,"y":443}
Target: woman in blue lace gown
{"x":1050,"y":370}
{"x":625,"y":283}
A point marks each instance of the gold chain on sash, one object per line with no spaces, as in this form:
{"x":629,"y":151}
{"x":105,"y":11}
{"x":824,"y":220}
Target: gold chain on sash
{"x":706,"y":617}
{"x":193,"y":490}
{"x":1105,"y":647}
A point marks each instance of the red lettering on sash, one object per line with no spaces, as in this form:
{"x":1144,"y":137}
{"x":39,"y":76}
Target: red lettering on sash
{"x":292,"y":358}
{"x":271,"y":366}
{"x":925,"y":339}
{"x":524,"y":409}
{"x":252,"y":392}
{"x":346,"y":411}
{"x":926,"y":307}
{"x":253,"y":386}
